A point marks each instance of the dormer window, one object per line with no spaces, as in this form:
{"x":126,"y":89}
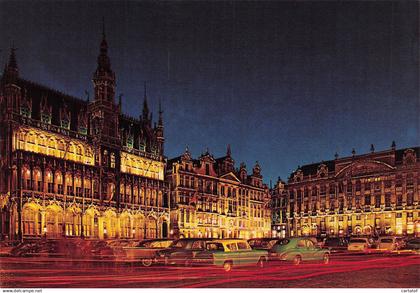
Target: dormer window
{"x":130,"y":141}
{"x":83,"y":130}
{"x":46,"y":118}
{"x":207,"y":169}
{"x":25,"y":111}
{"x":65,"y":123}
{"x":142,"y":145}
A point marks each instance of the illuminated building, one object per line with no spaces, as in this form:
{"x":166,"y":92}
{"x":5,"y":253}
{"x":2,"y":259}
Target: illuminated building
{"x":76,"y":168}
{"x":371,"y":194}
{"x":278,"y":209}
{"x":209,"y":198}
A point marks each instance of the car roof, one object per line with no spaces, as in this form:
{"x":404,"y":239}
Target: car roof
{"x":193,"y":239}
{"x":265,"y":238}
{"x":226,"y":241}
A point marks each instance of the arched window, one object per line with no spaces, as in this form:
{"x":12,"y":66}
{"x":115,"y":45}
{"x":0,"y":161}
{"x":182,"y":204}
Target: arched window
{"x":69,"y":184}
{"x":37,"y":179}
{"x":138,"y":223}
{"x":125,"y":226}
{"x":151,"y":228}
{"x":31,"y":221}
{"x":78,"y":186}
{"x":26,"y":178}
{"x":49,"y":181}
{"x":59,"y":183}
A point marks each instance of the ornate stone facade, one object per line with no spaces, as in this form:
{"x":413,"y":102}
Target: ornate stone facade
{"x":374,"y":193}
{"x":76,"y":168}
{"x":210,"y":198}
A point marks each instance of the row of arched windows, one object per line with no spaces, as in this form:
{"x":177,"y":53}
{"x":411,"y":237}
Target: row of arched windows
{"x":57,"y":222}
{"x":39,"y":142}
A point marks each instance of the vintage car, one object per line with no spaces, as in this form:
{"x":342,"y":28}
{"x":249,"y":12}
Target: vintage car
{"x":336,"y":244}
{"x":390,"y":243}
{"x":265,"y":243}
{"x":228,"y":253}
{"x":413,"y":243}
{"x":146,"y":251}
{"x":183,"y":251}
{"x":359,"y":244}
{"x":297,"y":250}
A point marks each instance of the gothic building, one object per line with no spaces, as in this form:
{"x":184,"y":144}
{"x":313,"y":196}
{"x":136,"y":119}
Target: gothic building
{"x":374,"y":193}
{"x":210,"y":198}
{"x":278,"y":210}
{"x":78,"y":168}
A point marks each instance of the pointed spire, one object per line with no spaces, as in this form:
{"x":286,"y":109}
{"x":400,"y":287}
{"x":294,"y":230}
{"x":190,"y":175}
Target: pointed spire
{"x":103,"y":27}
{"x":120,"y":101}
{"x":11,"y":70}
{"x":104,"y":63}
{"x":372,"y":148}
{"x":336,"y":155}
{"x":353,"y":152}
{"x":393,"y":145}
{"x":87,"y":96}
{"x":145,"y":106}
{"x":228,"y":152}
{"x":160,"y":122}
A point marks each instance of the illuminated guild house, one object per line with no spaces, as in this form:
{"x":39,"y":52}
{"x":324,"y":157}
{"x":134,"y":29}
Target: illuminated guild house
{"x":75,"y":168}
{"x":278,"y":210}
{"x":212,"y":199}
{"x":371,"y":194}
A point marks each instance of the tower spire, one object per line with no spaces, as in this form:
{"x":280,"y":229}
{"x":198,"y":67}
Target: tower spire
{"x":228,"y":152}
{"x":104,"y":63}
{"x":104,"y":77}
{"x":103,"y":28}
{"x":145,"y":106}
{"x":160,"y":122}
{"x":11,"y":70}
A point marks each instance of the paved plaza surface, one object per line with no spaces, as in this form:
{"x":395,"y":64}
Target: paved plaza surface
{"x":344,"y":271}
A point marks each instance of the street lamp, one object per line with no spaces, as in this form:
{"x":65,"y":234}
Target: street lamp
{"x":133,"y":232}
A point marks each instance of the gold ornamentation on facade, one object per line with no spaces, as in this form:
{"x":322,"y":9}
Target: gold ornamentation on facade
{"x":35,"y":140}
{"x":141,"y":166}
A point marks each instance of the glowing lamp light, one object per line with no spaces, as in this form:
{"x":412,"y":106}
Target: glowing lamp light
{"x":105,"y":232}
{"x":171,"y":232}
{"x":45,"y":229}
{"x":133,"y":231}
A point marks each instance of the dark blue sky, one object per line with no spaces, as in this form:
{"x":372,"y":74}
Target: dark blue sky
{"x":284,"y":83}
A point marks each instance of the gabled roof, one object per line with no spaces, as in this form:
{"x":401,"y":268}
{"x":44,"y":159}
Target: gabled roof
{"x":230,"y":176}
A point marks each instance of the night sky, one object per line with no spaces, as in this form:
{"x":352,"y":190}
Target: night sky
{"x":284,"y":83}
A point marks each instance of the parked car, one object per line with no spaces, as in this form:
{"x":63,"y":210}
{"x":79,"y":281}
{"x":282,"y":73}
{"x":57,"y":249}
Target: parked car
{"x":118,"y":246}
{"x":389,"y":243}
{"x":183,"y":251}
{"x":335,"y":244}
{"x":229,"y":253}
{"x":262,"y":243}
{"x":297,"y":250}
{"x":413,"y":243}
{"x":359,"y":244}
{"x":147,"y":251}
{"x":100,"y":249}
